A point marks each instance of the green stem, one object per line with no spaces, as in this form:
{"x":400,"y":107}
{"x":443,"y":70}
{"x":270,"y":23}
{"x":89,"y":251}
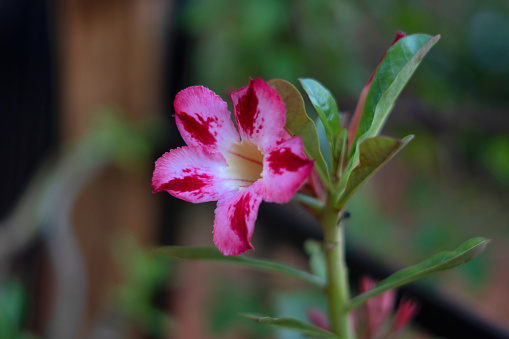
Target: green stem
{"x":337,"y":275}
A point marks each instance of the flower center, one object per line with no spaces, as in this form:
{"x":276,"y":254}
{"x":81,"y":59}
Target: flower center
{"x":245,"y":163}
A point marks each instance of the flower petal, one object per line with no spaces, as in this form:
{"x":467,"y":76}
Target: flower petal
{"x":260,"y":114}
{"x":193,"y":174}
{"x":285,"y":168}
{"x":203,"y":118}
{"x":235,"y":220}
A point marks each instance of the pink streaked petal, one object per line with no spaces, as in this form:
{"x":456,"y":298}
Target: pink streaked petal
{"x":203,"y":118}
{"x":260,"y":114}
{"x":192,"y":174}
{"x":235,"y":219}
{"x":285,"y":169}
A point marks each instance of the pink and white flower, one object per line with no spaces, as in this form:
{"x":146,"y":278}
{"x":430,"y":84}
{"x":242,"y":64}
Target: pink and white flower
{"x":237,"y":167}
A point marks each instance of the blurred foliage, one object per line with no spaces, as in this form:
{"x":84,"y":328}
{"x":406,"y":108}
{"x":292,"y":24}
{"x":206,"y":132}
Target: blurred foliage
{"x":128,"y":144}
{"x":340,"y":43}
{"x":12,"y":310}
{"x":144,"y":277}
{"x":274,"y":39}
{"x":228,"y":300}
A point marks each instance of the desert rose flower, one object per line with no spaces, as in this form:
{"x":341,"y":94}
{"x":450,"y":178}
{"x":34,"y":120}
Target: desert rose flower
{"x":238,"y":168}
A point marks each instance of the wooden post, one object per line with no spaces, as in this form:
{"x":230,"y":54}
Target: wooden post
{"x":110,"y":56}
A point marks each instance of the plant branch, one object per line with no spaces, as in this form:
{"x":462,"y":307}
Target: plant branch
{"x":337,"y":276}
{"x":310,"y":201}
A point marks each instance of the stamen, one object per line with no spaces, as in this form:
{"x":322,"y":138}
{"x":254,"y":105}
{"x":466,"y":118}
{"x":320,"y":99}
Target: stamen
{"x":246,"y":158}
{"x":245,"y":163}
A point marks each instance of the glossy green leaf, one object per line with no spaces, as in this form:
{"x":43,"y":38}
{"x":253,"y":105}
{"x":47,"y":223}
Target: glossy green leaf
{"x":213,"y":254}
{"x":298,"y":123}
{"x":439,"y":262}
{"x":393,"y":73}
{"x":325,"y":106}
{"x":373,"y":154}
{"x":291,"y":324}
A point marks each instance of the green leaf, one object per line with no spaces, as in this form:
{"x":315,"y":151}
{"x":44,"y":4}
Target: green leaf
{"x":291,"y":324}
{"x":325,"y":106}
{"x":317,"y":264}
{"x":213,"y":254}
{"x":439,"y":262}
{"x":298,"y":123}
{"x":373,"y":154}
{"x":393,"y":73}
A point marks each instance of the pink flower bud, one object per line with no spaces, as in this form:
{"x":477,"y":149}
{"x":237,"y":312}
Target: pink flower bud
{"x":377,"y":309}
{"x":406,"y":311}
{"x":318,"y":318}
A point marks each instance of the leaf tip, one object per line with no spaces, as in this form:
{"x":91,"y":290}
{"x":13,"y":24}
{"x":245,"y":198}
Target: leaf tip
{"x":399,"y":35}
{"x":251,"y":316}
{"x":407,"y":139}
{"x":483,"y":243}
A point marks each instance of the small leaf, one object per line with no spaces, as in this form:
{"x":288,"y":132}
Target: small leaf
{"x":213,"y":254}
{"x":317,"y":264}
{"x":291,"y":324}
{"x":373,"y":154}
{"x":439,"y":262}
{"x":325,"y":106}
{"x":298,"y":123}
{"x":393,"y":73}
